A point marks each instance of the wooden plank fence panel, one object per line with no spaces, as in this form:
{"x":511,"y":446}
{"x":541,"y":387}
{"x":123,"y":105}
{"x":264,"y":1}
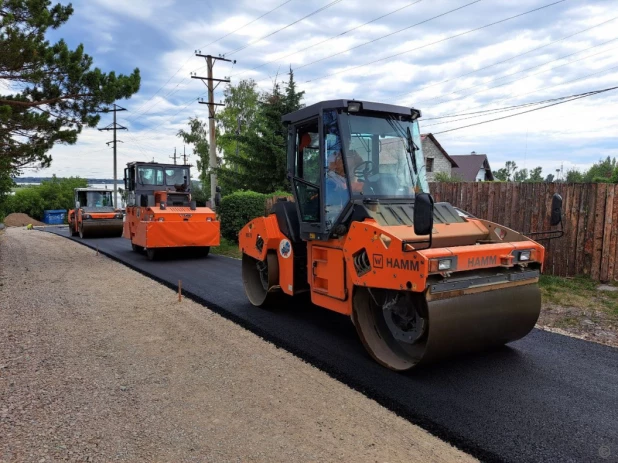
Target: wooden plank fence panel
{"x":597,"y":244}
{"x":613,"y":255}
{"x":590,"y":243}
{"x":571,"y":219}
{"x":607,"y":234}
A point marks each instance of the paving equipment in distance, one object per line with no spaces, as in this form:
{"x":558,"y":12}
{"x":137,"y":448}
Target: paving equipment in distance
{"x":420,"y":281}
{"x":160,"y":213}
{"x":94,"y":214}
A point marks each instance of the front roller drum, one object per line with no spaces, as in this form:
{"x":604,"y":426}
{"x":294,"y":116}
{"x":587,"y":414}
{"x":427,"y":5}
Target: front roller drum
{"x":92,"y":229}
{"x":403,"y":331}
{"x":261,"y":280}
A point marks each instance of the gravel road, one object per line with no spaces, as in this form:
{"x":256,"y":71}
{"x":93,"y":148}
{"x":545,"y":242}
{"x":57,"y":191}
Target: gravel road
{"x":99,"y":363}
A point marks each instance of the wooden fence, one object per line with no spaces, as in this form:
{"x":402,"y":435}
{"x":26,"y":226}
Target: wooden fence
{"x":590,"y":243}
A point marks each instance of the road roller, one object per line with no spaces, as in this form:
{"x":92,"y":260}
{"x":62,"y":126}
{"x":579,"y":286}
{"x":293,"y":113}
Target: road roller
{"x":94,"y":214}
{"x":420,"y":280}
{"x":161,"y":214}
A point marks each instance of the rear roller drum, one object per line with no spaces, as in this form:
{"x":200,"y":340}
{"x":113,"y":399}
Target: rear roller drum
{"x":152,"y":254}
{"x":261,"y":279}
{"x":82,"y":233}
{"x":136,"y":248}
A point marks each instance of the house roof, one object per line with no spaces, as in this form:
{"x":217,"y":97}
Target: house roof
{"x":469,"y":166}
{"x":429,"y":136}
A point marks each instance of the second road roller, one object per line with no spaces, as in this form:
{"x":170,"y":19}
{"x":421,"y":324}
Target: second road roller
{"x":420,"y":280}
{"x":94,"y":214}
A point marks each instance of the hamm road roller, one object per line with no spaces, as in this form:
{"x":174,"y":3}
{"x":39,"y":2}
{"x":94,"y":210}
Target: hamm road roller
{"x":160,"y":212}
{"x":420,"y":281}
{"x":94,"y":214}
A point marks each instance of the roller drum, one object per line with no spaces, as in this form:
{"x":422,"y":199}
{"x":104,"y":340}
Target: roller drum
{"x":452,"y":326}
{"x":101,"y":228}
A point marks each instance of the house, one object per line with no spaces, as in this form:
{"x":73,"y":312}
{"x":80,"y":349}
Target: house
{"x":473,"y":167}
{"x":436,"y":157}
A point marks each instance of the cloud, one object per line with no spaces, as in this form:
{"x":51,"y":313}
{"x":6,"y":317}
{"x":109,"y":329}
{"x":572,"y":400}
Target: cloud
{"x":475,"y":71}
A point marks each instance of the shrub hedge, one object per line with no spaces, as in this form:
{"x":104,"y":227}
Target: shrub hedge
{"x":239,"y":208}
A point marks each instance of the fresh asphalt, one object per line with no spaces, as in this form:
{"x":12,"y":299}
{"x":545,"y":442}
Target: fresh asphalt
{"x":544,"y":398}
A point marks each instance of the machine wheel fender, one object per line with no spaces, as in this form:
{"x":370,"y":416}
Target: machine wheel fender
{"x":260,"y":236}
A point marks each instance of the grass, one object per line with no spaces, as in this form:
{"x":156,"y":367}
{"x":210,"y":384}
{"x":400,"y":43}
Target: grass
{"x":580,"y":292}
{"x":227,"y":248}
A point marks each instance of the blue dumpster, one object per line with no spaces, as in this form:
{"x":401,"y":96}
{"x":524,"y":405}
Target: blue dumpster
{"x":55,"y":217}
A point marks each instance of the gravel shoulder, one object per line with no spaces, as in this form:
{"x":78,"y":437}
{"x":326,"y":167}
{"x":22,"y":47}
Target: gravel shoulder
{"x":99,"y":363}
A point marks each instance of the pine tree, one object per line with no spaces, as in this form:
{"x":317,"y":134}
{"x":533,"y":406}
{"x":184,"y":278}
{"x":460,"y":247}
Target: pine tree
{"x":58,"y":92}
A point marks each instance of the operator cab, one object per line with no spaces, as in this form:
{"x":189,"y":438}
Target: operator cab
{"x":350,"y":160}
{"x":91,"y":199}
{"x":150,"y":183}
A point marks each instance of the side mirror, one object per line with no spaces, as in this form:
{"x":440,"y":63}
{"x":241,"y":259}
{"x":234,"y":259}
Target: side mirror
{"x":556,"y":210}
{"x":77,"y":205}
{"x":217,"y":199}
{"x":423,"y":214}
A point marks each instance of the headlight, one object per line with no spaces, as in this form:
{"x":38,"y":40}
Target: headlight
{"x":161,"y":219}
{"x":119,"y":216}
{"x":524,"y":256}
{"x":86,"y":216}
{"x":444,"y":264}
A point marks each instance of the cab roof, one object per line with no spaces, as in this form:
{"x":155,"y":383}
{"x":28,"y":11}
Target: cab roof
{"x":156,"y":164}
{"x":94,"y":189}
{"x":367,"y":106}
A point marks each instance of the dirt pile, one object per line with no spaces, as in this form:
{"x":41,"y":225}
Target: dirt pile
{"x":20,"y":220}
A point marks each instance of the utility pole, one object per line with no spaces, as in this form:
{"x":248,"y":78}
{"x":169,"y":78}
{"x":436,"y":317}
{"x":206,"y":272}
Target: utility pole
{"x":185,"y":156}
{"x":210,"y":83}
{"x":174,"y":156}
{"x":114,"y":126}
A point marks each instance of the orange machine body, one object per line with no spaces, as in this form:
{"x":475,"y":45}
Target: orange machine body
{"x":174,"y":226}
{"x":332,"y":274}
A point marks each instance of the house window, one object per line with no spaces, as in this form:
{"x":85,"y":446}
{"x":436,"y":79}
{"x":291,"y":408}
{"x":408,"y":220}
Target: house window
{"x":429,"y":164}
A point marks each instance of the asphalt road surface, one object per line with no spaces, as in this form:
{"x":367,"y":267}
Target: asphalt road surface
{"x":546,"y":397}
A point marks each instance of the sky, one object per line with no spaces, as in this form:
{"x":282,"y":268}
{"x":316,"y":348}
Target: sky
{"x":444,"y":57}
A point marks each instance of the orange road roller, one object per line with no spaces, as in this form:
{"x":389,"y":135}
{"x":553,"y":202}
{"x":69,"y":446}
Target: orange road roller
{"x":94,"y":214}
{"x":420,"y":281}
{"x":160,"y":213}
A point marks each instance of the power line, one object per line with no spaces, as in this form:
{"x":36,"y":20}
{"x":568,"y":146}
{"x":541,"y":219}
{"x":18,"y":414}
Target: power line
{"x":329,"y":39}
{"x":519,"y":72}
{"x":535,"y":91}
{"x":248,"y":24}
{"x":505,"y":60}
{"x":214,"y":41}
{"x":319,"y":10}
{"x":585,"y":95}
{"x":389,"y":35}
{"x":436,"y":42}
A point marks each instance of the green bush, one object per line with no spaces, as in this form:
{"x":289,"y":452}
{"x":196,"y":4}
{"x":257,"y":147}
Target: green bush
{"x":237,"y":209}
{"x":56,"y":193}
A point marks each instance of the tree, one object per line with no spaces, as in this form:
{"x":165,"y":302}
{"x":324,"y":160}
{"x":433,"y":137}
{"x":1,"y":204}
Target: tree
{"x":601,"y":171}
{"x":197,"y":136}
{"x":505,"y":173}
{"x":574,"y":176}
{"x":549,"y":178}
{"x":237,"y":118}
{"x":536,"y":175}
{"x":56,"y":93}
{"x":260,"y":163}
{"x":521,"y":175}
